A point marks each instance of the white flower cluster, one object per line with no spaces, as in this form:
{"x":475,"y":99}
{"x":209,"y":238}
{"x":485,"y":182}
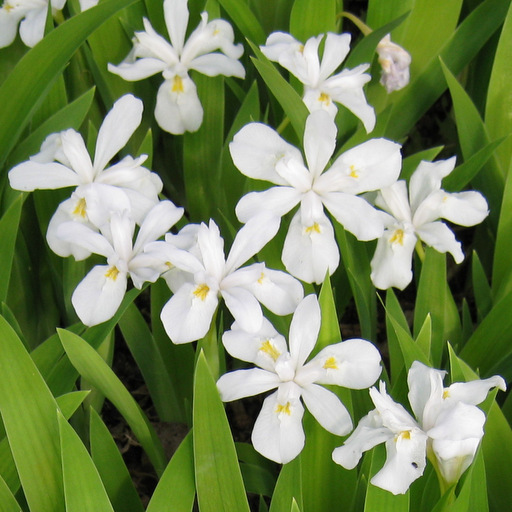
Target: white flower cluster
{"x":115,"y":211}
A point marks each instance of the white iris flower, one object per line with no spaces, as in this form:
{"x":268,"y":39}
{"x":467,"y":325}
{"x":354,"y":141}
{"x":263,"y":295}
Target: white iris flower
{"x":178,"y":108}
{"x":415,"y":215}
{"x":278,"y":432}
{"x":202,"y":275}
{"x":31,"y":17}
{"x":322,"y":89}
{"x":98,"y":296}
{"x":310,"y":249}
{"x":447,"y":429}
{"x":65,"y":162}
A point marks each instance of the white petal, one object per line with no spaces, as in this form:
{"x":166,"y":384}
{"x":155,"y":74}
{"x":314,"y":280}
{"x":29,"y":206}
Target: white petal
{"x":310,"y":251}
{"x":439,"y":236}
{"x":304,"y":329}
{"x":32,"y":27}
{"x":278,"y":200}
{"x":211,"y":249}
{"x":97,"y":298}
{"x":244,"y":307}
{"x":474,"y":392}
{"x":251,"y":238}
{"x":215,"y":64}
{"x":319,"y":141}
{"x":464,"y":208}
{"x":405,"y":462}
{"x":277,"y":291}
{"x":394,"y":199}
{"x":392,"y":261}
{"x":85,"y":237}
{"x":30,"y":175}
{"x":9,"y":26}
{"x":188,"y":315}
{"x":242,"y":383}
{"x":138,"y":70}
{"x":73,"y":147}
{"x":262,"y":348}
{"x":256,"y":149}
{"x":336,"y":48}
{"x":116,"y":129}
{"x":353,"y":364}
{"x":176,"y":20}
{"x":278,"y":43}
{"x":278,"y":433}
{"x":328,"y":410}
{"x":178,"y":108}
{"x":368,"y":433}
{"x":355,"y":215}
{"x":393,"y":415}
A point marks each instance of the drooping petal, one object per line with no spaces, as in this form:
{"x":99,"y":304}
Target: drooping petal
{"x":355,"y":214}
{"x":473,"y":392}
{"x":29,"y":176}
{"x":353,"y":364}
{"x":304,"y":329}
{"x":278,"y":200}
{"x":9,"y":21}
{"x":327,"y":409}
{"x":369,"y":433}
{"x":256,"y":149}
{"x":277,"y":291}
{"x":372,"y":165}
{"x":310,"y":250}
{"x":32,"y":27}
{"x":84,"y":236}
{"x":278,"y":43}
{"x":251,"y":238}
{"x":214,"y":64}
{"x":176,"y":19}
{"x":278,"y":434}
{"x":178,"y":108}
{"x":405,"y":462}
{"x":188,"y":314}
{"x":392,"y":261}
{"x":262,"y":348}
{"x":117,"y":128}
{"x":98,"y":296}
{"x":439,"y":236}
{"x":139,"y":69}
{"x":319,"y":141}
{"x":243,"y":383}
{"x":464,"y":208}
{"x":244,"y":307}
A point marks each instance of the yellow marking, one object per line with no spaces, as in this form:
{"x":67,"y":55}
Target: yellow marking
{"x":7,"y":7}
{"x":353,"y":172}
{"x":169,"y":265}
{"x":301,"y":48}
{"x":324,"y":98}
{"x":397,"y":237}
{"x":405,"y":434}
{"x":284,"y":408}
{"x":201,"y":292}
{"x":315,"y":228}
{"x":112,"y":273}
{"x":270,"y":350}
{"x":260,"y":280}
{"x":330,"y":363}
{"x":446,"y":394}
{"x":177,"y":84}
{"x":80,"y":208}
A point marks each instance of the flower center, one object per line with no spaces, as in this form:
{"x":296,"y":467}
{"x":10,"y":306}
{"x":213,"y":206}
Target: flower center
{"x":177,"y":84}
{"x":201,"y":292}
{"x":324,"y":98}
{"x":285,"y":409}
{"x":405,"y":434}
{"x":397,"y":237}
{"x":80,"y":208}
{"x":353,"y":172}
{"x":112,"y":273}
{"x":314,"y":228}
{"x":331,"y":363}
{"x":270,"y":349}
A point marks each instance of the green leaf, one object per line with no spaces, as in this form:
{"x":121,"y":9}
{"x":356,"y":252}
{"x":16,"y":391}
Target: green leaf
{"x":290,"y":101}
{"x":481,"y":288}
{"x":218,"y":478}
{"x":310,"y":18}
{"x":176,"y":488}
{"x":147,"y":355}
{"x":9,"y":228}
{"x":8,"y":502}
{"x":93,"y":368}
{"x":18,"y":96}
{"x":499,"y":95}
{"x":244,"y":19}
{"x":83,"y":488}
{"x":111,"y":467}
{"x":28,"y":412}
{"x":288,"y":487}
